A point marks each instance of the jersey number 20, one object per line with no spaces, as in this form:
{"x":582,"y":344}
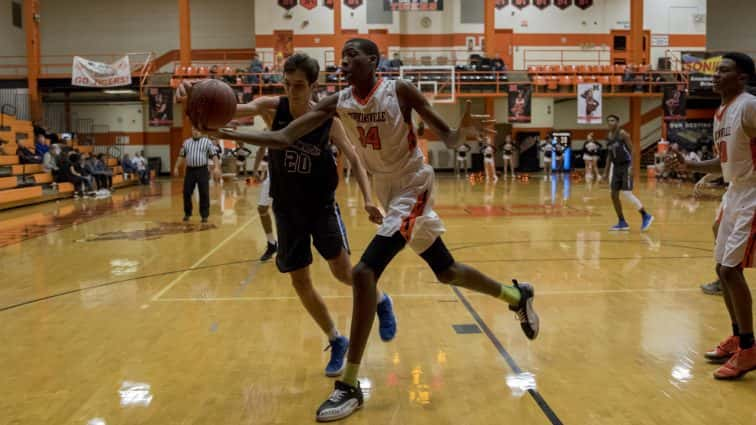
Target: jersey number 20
{"x":296,"y":162}
{"x":370,"y":137}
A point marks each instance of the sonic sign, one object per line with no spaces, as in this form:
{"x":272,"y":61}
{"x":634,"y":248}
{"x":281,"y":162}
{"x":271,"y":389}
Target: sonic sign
{"x":701,"y":67}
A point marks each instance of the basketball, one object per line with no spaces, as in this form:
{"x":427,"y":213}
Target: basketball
{"x":211,"y":105}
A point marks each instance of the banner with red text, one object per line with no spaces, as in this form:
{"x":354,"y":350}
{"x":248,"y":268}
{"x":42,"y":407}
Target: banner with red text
{"x":88,"y":73}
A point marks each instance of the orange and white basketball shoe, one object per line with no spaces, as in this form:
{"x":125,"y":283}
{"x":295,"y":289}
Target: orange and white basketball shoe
{"x":739,"y":364}
{"x":724,"y":350}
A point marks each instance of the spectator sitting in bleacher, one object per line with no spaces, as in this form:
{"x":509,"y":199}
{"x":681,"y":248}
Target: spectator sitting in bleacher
{"x":63,"y":142}
{"x":140,"y":165}
{"x":396,"y":62}
{"x":41,"y":146}
{"x":84,"y":163}
{"x":498,"y":64}
{"x":383,"y":63}
{"x":50,"y":161}
{"x":128,"y":167}
{"x":95,"y":167}
{"x":71,"y":171}
{"x":25,"y":155}
{"x":103,"y":173}
{"x":255,"y":67}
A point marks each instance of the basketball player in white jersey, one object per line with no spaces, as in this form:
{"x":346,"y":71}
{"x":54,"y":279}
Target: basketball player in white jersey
{"x":735,"y":137}
{"x":376,"y":114}
{"x":264,"y":202}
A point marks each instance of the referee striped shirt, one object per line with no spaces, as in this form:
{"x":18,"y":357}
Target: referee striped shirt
{"x":197,"y":151}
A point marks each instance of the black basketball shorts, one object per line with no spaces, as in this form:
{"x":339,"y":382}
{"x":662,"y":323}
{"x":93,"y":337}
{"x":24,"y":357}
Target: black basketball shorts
{"x":622,"y":177}
{"x":299,"y":227}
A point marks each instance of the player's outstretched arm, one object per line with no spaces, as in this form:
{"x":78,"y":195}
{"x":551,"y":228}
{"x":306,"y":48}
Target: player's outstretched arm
{"x":470,"y":125}
{"x":264,"y":106}
{"x":675,"y":160}
{"x":298,"y":128}
{"x":339,"y":138}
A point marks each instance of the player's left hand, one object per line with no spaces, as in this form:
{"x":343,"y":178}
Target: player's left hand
{"x":675,"y":161}
{"x":216,"y":175}
{"x":374,"y":214}
{"x":477,"y":125}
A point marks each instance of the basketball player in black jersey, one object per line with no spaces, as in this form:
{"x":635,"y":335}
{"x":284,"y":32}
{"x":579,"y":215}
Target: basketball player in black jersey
{"x":303,"y":179}
{"x":620,"y":160}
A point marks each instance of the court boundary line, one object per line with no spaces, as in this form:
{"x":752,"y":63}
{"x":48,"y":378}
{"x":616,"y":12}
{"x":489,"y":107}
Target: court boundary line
{"x":440,"y":297}
{"x":244,"y":261}
{"x":534,"y":393}
{"x":178,"y":278}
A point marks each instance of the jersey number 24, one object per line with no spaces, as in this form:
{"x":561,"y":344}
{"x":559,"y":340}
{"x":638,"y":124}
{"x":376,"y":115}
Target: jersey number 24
{"x":370,"y":137}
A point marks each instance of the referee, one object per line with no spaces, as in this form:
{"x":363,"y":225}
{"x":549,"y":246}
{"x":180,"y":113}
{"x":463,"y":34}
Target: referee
{"x":196,"y":151}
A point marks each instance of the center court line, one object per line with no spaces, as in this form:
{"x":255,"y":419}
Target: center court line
{"x":537,"y":397}
{"x":205,"y":257}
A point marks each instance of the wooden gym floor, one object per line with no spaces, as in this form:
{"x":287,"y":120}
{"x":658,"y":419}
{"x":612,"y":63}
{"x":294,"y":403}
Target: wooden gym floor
{"x":115,"y":312}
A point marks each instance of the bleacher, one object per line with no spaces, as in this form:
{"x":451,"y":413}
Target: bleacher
{"x":27,"y":184}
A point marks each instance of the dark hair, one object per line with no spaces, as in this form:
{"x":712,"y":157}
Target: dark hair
{"x":304,"y":63}
{"x":613,"y":116}
{"x":366,"y":46}
{"x":743,"y":63}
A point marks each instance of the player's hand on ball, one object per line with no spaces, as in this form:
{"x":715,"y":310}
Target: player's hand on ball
{"x":478,"y":125}
{"x":184,"y":90}
{"x":374,"y":213}
{"x":675,"y":161}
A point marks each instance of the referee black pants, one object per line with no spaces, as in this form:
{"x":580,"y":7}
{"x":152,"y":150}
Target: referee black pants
{"x":200,"y":177}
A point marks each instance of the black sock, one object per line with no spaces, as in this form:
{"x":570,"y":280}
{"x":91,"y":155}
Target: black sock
{"x":735,"y":329}
{"x":643,"y":212}
{"x":746,"y":341}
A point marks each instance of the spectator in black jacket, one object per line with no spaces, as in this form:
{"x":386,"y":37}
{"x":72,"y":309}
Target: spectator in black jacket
{"x":25,"y":155}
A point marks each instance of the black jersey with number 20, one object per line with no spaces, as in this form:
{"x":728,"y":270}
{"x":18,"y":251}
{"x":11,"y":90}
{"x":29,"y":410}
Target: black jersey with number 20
{"x":303,"y":174}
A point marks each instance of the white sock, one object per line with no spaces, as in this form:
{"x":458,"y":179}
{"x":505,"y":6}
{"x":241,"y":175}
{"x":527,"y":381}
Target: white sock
{"x":633,"y":199}
{"x":382,"y":297}
{"x":333,"y":334}
{"x":271,"y":238}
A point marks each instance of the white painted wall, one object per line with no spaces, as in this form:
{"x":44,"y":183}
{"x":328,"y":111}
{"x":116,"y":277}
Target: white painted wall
{"x":12,"y":39}
{"x":269,"y":16}
{"x":600,"y":18}
{"x":674,"y":17}
{"x":444,"y":22}
{"x":114,"y":26}
{"x":119,"y":117}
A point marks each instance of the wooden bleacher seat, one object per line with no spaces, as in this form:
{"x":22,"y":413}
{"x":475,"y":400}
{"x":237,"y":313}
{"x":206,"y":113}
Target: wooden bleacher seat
{"x":8,"y":182}
{"x":43,"y":178}
{"x":65,"y":187}
{"x":112,"y":162}
{"x":14,"y":195}
{"x":8,"y":160}
{"x":26,"y":169}
{"x":117,"y":179}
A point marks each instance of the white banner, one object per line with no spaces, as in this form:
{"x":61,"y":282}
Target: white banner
{"x":87,"y":73}
{"x":589,"y":103}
